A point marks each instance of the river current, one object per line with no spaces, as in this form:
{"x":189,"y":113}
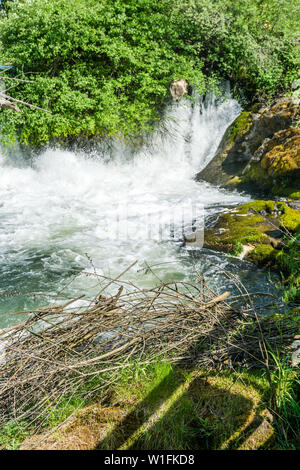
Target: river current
{"x":59,"y":209}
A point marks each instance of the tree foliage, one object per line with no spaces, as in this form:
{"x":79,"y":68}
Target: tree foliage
{"x":105,"y":67}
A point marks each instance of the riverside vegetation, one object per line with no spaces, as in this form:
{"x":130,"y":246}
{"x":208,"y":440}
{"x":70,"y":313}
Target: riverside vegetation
{"x":82,"y":59}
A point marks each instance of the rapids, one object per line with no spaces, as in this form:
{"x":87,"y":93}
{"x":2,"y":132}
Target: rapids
{"x":58,"y":211}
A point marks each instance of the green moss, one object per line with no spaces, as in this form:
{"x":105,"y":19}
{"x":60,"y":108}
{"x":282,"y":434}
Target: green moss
{"x":237,"y":248}
{"x":264,"y":255}
{"x":290,"y":219}
{"x":257,"y":206}
{"x":241,"y":125}
{"x":233,"y":182}
{"x":236,"y":228}
{"x":294,"y":195}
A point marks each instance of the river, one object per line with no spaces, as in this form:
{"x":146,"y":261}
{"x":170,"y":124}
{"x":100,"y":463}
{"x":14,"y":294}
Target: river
{"x":58,"y":212}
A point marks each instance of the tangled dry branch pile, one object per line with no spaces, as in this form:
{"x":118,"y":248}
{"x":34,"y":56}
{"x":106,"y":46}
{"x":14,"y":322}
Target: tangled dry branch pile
{"x":63,"y":350}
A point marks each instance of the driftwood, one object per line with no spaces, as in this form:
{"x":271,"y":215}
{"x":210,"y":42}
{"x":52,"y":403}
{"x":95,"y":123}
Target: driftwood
{"x":59,"y":350}
{"x":10,"y":98}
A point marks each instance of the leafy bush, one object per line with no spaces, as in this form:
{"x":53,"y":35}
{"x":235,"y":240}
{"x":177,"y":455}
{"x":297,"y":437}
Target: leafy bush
{"x":106,"y":67}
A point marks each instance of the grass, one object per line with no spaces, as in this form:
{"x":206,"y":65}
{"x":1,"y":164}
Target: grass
{"x":12,"y":434}
{"x":237,"y":248}
{"x":287,"y":403}
{"x":163,"y":406}
{"x":289,"y":262}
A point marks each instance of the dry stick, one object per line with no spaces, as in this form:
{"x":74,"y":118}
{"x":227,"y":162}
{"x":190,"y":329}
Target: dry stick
{"x":10,"y":98}
{"x":3,"y":92}
{"x":31,"y":356}
{"x":118,"y":277}
{"x":218,"y":299}
{"x":18,"y":79}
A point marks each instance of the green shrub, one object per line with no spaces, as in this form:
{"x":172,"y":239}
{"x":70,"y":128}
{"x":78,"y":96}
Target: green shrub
{"x":105,"y":68}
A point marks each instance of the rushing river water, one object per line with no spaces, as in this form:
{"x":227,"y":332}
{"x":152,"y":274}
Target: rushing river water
{"x":57,"y":211}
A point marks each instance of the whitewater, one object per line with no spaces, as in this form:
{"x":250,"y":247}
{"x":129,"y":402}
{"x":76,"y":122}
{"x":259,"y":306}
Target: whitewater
{"x":58,"y":210}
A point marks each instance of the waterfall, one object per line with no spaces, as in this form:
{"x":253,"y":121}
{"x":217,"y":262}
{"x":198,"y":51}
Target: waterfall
{"x":57,"y":211}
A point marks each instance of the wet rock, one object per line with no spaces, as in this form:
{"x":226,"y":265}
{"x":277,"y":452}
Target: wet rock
{"x":295,"y":359}
{"x":294,"y":205}
{"x":260,"y":148}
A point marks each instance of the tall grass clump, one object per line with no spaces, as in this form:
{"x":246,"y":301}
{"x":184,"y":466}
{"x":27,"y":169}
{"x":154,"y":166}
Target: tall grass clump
{"x":286,"y":396}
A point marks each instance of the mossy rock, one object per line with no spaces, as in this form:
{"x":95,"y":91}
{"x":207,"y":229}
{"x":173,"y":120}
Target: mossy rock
{"x":290,"y":218}
{"x":241,"y":125}
{"x":264,"y":255}
{"x":233,"y":228}
{"x":260,"y":151}
{"x":275,"y":166}
{"x":260,"y":225}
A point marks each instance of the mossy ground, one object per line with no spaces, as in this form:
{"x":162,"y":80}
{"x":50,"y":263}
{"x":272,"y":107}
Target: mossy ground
{"x":162,"y":406}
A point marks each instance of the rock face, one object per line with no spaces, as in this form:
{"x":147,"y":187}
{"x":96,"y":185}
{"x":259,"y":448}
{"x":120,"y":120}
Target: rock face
{"x":178,"y":89}
{"x":261,"y":147}
{"x":276,"y":164}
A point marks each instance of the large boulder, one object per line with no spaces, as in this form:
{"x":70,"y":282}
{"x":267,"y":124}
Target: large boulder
{"x":275,"y":165}
{"x":259,"y":147}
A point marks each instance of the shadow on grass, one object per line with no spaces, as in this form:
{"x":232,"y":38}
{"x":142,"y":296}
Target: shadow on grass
{"x":196,"y":414}
{"x":192,"y":414}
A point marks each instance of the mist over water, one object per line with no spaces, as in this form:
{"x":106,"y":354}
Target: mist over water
{"x":58,"y":209}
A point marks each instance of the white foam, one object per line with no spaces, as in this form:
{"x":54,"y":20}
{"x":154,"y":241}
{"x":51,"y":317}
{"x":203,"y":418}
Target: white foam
{"x":61,"y":205}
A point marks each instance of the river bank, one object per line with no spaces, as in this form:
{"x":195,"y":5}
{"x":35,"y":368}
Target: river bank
{"x":116,"y":329}
{"x":166,"y":342}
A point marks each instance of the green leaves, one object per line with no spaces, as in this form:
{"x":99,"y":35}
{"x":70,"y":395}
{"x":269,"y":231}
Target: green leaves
{"x":106,"y":67}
